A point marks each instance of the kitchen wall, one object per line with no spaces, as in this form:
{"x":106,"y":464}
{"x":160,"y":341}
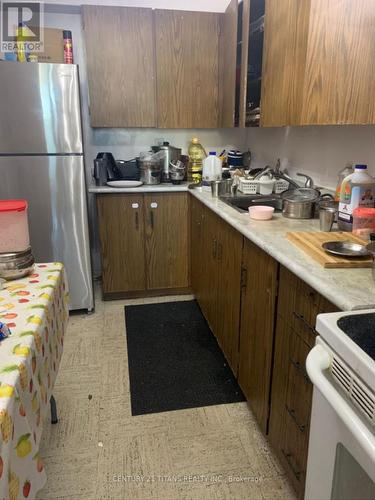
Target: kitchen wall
{"x":317,"y":151}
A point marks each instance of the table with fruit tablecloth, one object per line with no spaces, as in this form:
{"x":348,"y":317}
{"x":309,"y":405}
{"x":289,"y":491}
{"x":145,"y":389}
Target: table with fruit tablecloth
{"x":35,"y":309}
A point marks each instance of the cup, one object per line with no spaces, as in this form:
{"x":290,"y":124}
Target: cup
{"x":215,"y":188}
{"x":326,"y":218}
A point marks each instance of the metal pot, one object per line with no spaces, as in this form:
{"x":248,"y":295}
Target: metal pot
{"x":300,"y":203}
{"x":14,"y":265}
{"x":150,"y":171}
{"x":172,"y":154}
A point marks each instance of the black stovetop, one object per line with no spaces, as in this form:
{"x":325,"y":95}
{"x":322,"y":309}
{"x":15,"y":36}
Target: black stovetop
{"x":361,"y":329}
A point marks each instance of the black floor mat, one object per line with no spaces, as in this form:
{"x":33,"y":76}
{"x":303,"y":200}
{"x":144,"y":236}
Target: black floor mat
{"x":174,"y":360}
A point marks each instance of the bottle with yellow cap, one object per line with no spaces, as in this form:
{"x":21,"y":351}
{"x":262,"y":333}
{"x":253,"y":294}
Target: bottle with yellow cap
{"x":197,"y":154}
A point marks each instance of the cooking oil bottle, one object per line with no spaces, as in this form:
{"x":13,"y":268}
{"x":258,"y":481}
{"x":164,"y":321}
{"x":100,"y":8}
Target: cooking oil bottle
{"x":197,"y":154}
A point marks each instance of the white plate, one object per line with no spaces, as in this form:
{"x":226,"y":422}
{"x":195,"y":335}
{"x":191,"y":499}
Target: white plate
{"x":124,"y":184}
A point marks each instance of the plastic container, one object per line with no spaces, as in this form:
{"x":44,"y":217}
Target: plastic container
{"x":363,"y":222}
{"x":261,"y":212}
{"x":14,"y":228}
{"x":211,"y":168}
{"x":341,"y":176}
{"x":266,"y":185}
{"x":357,"y":190}
{"x":196,"y":154}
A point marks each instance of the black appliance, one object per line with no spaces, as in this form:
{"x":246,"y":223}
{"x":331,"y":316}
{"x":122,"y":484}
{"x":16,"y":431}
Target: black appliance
{"x":106,"y":168}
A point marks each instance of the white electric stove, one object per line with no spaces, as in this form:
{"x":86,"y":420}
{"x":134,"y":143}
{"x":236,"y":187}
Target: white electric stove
{"x":341,"y":458}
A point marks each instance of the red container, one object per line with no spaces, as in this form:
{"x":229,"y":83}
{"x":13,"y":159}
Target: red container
{"x":14,"y":228}
{"x":363,"y":222}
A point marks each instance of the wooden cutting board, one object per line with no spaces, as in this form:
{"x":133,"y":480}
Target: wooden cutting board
{"x":311,"y":243}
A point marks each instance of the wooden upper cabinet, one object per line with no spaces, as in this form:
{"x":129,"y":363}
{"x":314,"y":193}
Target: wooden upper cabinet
{"x":120,"y":66}
{"x":339,"y":84}
{"x":284,"y":60}
{"x":227,"y":66}
{"x":187,"y":61}
{"x":318,"y":65}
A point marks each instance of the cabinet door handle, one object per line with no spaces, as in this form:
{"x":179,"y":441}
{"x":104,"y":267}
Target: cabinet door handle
{"x":288,"y":457}
{"x":219,"y":251}
{"x":214,"y":248}
{"x":292,"y":414}
{"x":297,"y":365}
{"x":136,"y":220}
{"x":243,"y":277}
{"x":152,"y":219}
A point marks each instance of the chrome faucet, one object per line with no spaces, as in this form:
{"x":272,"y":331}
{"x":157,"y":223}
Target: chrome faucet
{"x":279,"y":174}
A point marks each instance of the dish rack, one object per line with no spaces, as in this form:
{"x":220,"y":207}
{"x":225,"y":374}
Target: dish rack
{"x":251,"y":186}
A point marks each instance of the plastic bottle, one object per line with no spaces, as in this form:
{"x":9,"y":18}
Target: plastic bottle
{"x":197,"y":154}
{"x":357,"y":190}
{"x":68,"y":47}
{"x":212,"y":170}
{"x":349,"y":169}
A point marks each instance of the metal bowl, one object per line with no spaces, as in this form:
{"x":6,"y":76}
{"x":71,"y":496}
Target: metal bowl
{"x":345,"y":249}
{"x":15,"y":265}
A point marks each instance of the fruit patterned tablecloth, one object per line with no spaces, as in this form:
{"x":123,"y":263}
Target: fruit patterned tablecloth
{"x":36,"y":310}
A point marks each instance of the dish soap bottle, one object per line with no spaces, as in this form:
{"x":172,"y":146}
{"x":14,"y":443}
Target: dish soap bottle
{"x":357,"y":190}
{"x":196,"y":154}
{"x":341,"y":176}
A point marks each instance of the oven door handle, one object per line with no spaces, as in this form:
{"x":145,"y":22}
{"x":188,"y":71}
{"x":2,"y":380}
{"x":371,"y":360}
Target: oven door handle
{"x":318,"y":361}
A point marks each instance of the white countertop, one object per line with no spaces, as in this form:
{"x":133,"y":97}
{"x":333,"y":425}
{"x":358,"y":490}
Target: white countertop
{"x":145,"y":188}
{"x":346,"y":288}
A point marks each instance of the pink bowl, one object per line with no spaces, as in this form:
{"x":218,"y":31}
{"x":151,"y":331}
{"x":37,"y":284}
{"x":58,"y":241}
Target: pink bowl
{"x":261,"y":212}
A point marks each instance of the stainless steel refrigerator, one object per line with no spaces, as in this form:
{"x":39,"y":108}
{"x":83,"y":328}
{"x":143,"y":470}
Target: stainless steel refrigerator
{"x":41,"y":160}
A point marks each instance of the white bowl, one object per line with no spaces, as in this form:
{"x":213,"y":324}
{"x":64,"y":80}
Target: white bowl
{"x":261,"y":212}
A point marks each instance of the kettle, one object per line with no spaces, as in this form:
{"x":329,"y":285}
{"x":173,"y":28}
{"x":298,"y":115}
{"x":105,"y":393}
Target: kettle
{"x":171,"y":154}
{"x":105,"y":169}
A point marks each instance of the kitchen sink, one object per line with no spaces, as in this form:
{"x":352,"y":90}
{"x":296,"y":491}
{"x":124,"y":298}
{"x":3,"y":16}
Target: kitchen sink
{"x":242,"y":202}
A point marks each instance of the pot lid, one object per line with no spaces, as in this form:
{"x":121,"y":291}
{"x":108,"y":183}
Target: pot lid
{"x":13,"y":205}
{"x":301,"y":194}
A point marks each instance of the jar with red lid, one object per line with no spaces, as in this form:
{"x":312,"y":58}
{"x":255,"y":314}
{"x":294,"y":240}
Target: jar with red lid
{"x":363,"y":222}
{"x":14,"y":228}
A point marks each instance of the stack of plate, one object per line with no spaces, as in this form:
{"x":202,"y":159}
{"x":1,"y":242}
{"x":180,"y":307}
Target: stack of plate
{"x":15,"y":265}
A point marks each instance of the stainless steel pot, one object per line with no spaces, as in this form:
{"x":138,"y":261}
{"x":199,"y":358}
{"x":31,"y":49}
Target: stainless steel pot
{"x":300,"y":203}
{"x":172,"y":154}
{"x":14,"y":265}
{"x":149,"y":171}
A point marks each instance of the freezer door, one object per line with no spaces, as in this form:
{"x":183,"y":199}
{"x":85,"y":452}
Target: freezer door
{"x":55,"y":190}
{"x":39,"y":109}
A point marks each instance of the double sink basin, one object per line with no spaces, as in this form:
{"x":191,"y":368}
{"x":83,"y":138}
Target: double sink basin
{"x":242,"y":202}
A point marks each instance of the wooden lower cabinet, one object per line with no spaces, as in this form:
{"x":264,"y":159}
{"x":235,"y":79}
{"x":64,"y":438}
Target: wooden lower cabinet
{"x":258,"y":303}
{"x":263,"y":317}
{"x":229,"y":254}
{"x":121,"y":233}
{"x":216,"y":273}
{"x":291,"y":394}
{"x":144,"y":244}
{"x":167,"y":240}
